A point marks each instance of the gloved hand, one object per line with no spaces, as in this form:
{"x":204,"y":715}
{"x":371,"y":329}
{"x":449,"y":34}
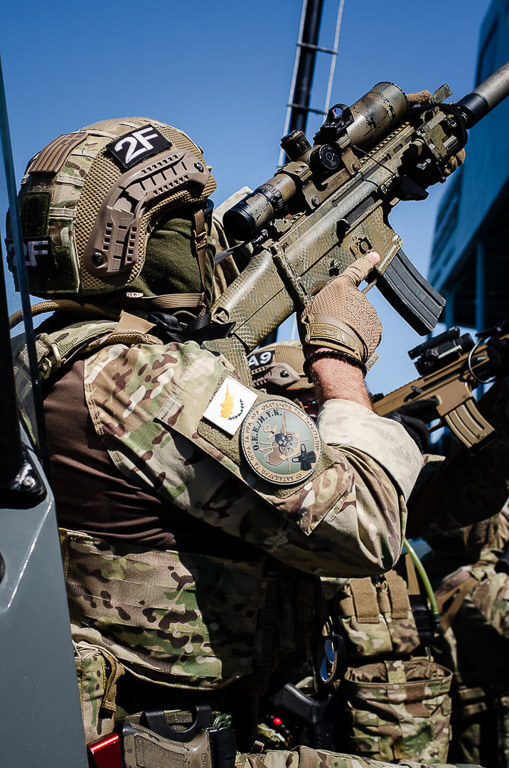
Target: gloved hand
{"x":418,"y":97}
{"x":498,"y":353}
{"x":421,"y":97}
{"x":454,"y":162}
{"x":414,"y":417}
{"x":340,"y":316}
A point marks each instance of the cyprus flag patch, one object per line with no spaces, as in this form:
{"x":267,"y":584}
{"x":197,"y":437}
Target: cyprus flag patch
{"x":230,"y":405}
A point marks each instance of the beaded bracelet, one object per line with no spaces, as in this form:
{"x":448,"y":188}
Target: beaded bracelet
{"x":334,"y":353}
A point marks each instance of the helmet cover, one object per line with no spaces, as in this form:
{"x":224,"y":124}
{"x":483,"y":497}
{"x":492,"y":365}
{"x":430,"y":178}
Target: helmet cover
{"x":90,"y":199}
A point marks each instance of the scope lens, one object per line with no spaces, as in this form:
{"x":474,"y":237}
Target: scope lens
{"x":239,"y":224}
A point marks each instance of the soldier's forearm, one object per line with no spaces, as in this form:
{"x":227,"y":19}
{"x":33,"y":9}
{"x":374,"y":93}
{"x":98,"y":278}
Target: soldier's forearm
{"x":337,"y":379}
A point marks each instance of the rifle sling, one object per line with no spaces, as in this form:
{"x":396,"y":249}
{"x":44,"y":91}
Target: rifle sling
{"x":458,"y":593}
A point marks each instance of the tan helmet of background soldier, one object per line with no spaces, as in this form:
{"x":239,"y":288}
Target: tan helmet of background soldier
{"x":278,"y":369}
{"x":118,"y":208}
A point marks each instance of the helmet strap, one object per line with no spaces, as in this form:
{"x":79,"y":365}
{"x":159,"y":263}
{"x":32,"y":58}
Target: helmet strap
{"x":166,"y":300}
{"x":199,"y":244}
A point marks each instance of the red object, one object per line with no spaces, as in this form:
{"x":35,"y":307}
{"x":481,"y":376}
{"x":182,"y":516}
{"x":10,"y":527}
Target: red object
{"x":105,"y":752}
{"x":277,"y":721}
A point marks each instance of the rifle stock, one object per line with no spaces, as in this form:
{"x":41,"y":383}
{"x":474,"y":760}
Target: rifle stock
{"x":330,"y":205}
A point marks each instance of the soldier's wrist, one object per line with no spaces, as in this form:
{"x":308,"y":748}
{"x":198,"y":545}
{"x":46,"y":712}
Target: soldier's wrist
{"x":314,"y":354}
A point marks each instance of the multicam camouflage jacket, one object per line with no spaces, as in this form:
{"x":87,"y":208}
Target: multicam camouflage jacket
{"x":152,"y":405}
{"x":474,"y":602}
{"x":148,"y":401}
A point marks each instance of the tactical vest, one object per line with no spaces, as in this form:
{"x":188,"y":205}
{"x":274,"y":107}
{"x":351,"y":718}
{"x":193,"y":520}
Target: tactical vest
{"x":179,"y":619}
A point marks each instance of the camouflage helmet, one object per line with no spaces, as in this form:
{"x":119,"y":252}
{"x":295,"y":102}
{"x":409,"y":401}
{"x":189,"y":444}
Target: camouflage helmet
{"x":90,"y":199}
{"x":278,"y":368}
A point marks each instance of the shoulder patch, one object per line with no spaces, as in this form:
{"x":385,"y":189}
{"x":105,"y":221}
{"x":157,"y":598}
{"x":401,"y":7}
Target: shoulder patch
{"x":230,"y":405}
{"x":280,"y":442}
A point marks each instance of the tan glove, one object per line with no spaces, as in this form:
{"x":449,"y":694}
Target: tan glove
{"x":341,"y":317}
{"x":419,"y":97}
{"x":454,"y":161}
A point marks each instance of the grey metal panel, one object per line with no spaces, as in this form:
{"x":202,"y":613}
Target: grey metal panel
{"x":40,"y":719}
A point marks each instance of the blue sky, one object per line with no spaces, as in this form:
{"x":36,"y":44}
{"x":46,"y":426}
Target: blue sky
{"x":221,"y":71}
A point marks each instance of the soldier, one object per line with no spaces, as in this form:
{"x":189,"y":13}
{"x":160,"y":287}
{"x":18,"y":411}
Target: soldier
{"x":468,"y":568}
{"x":192,"y":519}
{"x":474,"y":604}
{"x":393,"y":700}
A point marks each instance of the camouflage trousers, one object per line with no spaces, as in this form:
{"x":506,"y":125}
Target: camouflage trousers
{"x":305,"y":757}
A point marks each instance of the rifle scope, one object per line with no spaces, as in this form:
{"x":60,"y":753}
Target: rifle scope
{"x":447,"y":347}
{"x":363,"y":124}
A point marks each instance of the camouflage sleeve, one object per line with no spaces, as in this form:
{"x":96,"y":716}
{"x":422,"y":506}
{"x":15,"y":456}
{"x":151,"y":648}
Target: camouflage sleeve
{"x":147,"y":405}
{"x":343,"y":422}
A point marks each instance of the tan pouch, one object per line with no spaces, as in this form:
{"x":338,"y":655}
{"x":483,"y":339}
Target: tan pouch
{"x":98,"y":672}
{"x":398,"y":709}
{"x":376,"y":618}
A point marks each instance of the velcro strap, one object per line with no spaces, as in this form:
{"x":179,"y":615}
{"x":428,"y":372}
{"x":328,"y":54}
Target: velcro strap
{"x":365,"y":601}
{"x":459,"y":594}
{"x":400,"y":604}
{"x":411,"y":574}
{"x":110,"y":691}
{"x":130,"y":329}
{"x":327,"y":328}
{"x":395,"y":671}
{"x":169,"y":300}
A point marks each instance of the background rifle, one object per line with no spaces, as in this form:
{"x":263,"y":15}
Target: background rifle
{"x":451,"y":366}
{"x":330,"y":204}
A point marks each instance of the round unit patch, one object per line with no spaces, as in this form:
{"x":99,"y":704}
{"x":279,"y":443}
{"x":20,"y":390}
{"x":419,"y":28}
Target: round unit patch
{"x":280,"y":442}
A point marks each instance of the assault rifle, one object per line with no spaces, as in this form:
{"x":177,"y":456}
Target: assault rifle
{"x":330,"y":204}
{"x":451,"y":367}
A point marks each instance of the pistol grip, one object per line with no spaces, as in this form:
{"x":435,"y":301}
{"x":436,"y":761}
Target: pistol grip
{"x":410,"y":294}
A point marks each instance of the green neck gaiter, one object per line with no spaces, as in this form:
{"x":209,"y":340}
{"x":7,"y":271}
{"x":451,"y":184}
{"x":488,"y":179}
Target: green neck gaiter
{"x":171,"y":265}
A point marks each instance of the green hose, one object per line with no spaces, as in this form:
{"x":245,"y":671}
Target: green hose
{"x":427,"y":583}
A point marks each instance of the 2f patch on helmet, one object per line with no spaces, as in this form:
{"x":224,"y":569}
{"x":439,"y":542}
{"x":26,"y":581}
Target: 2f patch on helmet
{"x":230,"y":405}
{"x":135,"y":146}
{"x":279,"y":442}
{"x":37,"y":253}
